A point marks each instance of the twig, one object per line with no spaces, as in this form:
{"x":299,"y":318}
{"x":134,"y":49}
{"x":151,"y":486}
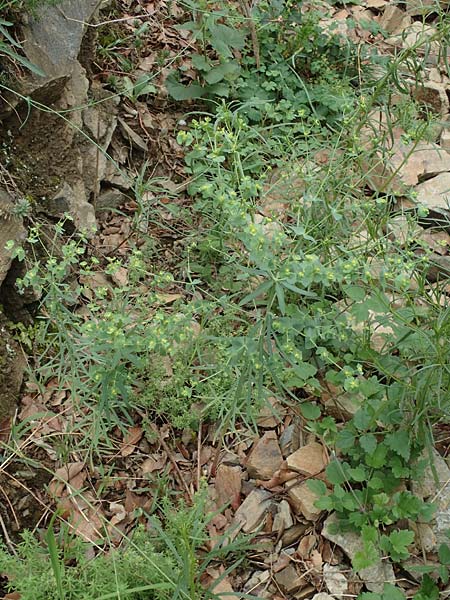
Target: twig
{"x":254,"y":35}
{"x":178,"y":473}
{"x":6,"y":536}
{"x":199,"y":448}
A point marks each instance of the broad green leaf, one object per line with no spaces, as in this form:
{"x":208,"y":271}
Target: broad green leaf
{"x":365,"y":558}
{"x":345,"y":439}
{"x":401,"y":539}
{"x":392,"y":592}
{"x":335,"y":473}
{"x":362,"y":419}
{"x":223,"y":38}
{"x":310,"y":411}
{"x":180,"y":92}
{"x":354,"y":292}
{"x":378,"y":458}
{"x":358,"y":474}
{"x":318,"y":487}
{"x":304,"y":370}
{"x":399,"y":442}
{"x":218,"y":73}
{"x":199,"y":62}
{"x":444,"y":554}
{"x":368,"y":442}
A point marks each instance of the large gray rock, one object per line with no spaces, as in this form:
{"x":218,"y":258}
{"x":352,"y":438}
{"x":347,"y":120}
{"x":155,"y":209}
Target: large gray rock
{"x":435,"y":193}
{"x":54,"y":34}
{"x":11,"y":228}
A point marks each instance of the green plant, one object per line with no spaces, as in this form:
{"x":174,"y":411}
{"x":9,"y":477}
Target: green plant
{"x":164,"y":560}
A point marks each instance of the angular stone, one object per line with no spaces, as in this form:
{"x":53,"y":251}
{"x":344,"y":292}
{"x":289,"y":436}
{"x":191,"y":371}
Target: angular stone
{"x":335,"y":580}
{"x":351,"y":543}
{"x":322,"y":596}
{"x":405,"y":166}
{"x":303,"y":500}
{"x":435,"y":193}
{"x":265,"y":457}
{"x":253,"y":510}
{"x":445,"y":140}
{"x":11,"y":229}
{"x":394,"y":20}
{"x":71,"y":199}
{"x":433,"y":95}
{"x":308,"y":460}
{"x":110,"y":199}
{"x":289,"y":580}
{"x":270,"y":414}
{"x":228,"y":484}
{"x":54,"y":34}
{"x":283,"y":518}
{"x":423,"y":7}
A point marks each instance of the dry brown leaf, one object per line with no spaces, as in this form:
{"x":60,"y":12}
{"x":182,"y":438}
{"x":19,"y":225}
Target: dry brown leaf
{"x":71,"y":474}
{"x":134,"y":434}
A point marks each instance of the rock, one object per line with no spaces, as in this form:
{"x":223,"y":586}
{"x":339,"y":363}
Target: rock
{"x":265,"y":457}
{"x":71,"y":199}
{"x":257,"y":582}
{"x":289,"y":580}
{"x":425,"y":538}
{"x":286,"y":439}
{"x":435,"y":193}
{"x":228,"y":484}
{"x":433,"y":95}
{"x":335,"y":580}
{"x":270,"y":414}
{"x":308,"y":460}
{"x":406,"y":166}
{"x":339,"y":403}
{"x":394,"y":20}
{"x":435,"y":240}
{"x":12,"y":369}
{"x":322,"y":596}
{"x":283,"y":518}
{"x":224,"y":590}
{"x":54,"y":34}
{"x":11,"y":229}
{"x":303,"y":500}
{"x":253,"y":510}
{"x":439,"y":268}
{"x":101,"y":123}
{"x":423,"y":7}
{"x":351,"y":543}
{"x":445,"y":140}
{"x":292,"y":534}
{"x":110,"y":199}
{"x":438,"y":491}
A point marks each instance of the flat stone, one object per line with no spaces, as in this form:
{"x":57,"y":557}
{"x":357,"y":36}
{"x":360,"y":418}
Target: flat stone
{"x":323,"y":596}
{"x":253,"y":510}
{"x":394,"y":20}
{"x":110,"y":199}
{"x":270,"y":414}
{"x":433,"y":95}
{"x":435,"y":193}
{"x":406,"y":165}
{"x":71,"y":199}
{"x":283,"y":518}
{"x":445,"y":140}
{"x":289,"y":580}
{"x":335,"y":580}
{"x":228,"y":485}
{"x":265,"y":457}
{"x":303,"y":500}
{"x":308,"y":460}
{"x":375,"y":576}
{"x":423,"y":7}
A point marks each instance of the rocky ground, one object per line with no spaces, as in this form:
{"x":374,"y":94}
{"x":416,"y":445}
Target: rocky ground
{"x":264,"y":475}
